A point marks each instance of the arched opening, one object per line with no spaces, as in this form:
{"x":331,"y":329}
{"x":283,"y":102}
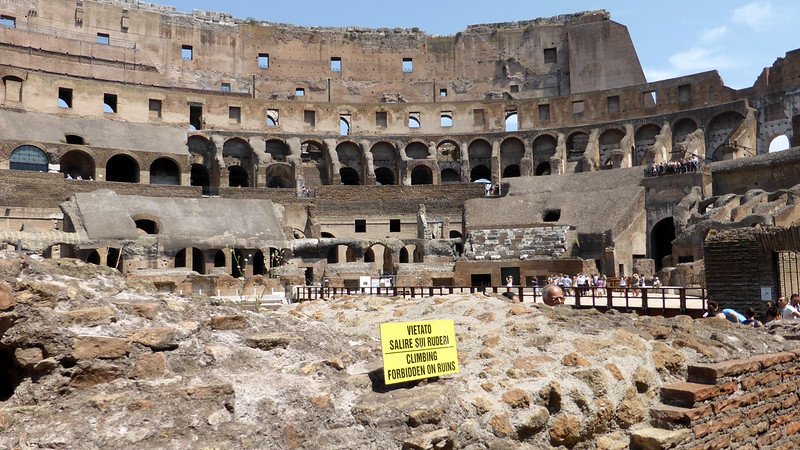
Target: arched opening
{"x":610,"y":140}
{"x":421,"y":175}
{"x":114,"y":259}
{"x":512,"y":150}
{"x":350,"y":156}
{"x":198,"y":261}
{"x":644,"y":139}
{"x":74,"y":139}
{"x":200,"y":177}
{"x":379,"y":253}
{"x":180,"y":258}
{"x":480,"y":154}
{"x":93,"y":258}
{"x":369,"y":256}
{"x":551,"y":215}
{"x":511,"y":171}
{"x":259,"y":263}
{"x":682,"y":128}
{"x":718,"y":131}
{"x":240,"y":160}
{"x":446,"y":121}
{"x":413,"y":122}
{"x":779,"y":144}
{"x":448,"y":151}
{"x":147,"y":226}
{"x":450,"y":176}
{"x":237,"y":177}
{"x":349,"y":176}
{"x":123,"y":169}
{"x":576,"y":144}
{"x":661,"y":240}
{"x":29,"y":158}
{"x":327,"y":235}
{"x":279,"y":150}
{"x":543,"y":169}
{"x":219,"y":259}
{"x":417,"y":150}
{"x":279,"y":176}
{"x":403,"y":256}
{"x":333,"y":255}
{"x":315,"y":166}
{"x":238,"y":263}
{"x":384,"y":176}
{"x":77,"y":164}
{"x":480,"y":173}
{"x":512,"y":122}
{"x":454,"y":234}
{"x":165,"y":171}
{"x":385,"y":156}
{"x":344,"y":127}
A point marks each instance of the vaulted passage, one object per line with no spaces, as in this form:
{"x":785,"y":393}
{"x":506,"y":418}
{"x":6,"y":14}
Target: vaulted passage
{"x":122,"y":168}
{"x":421,"y":175}
{"x":661,"y":240}
{"x":77,"y":164}
{"x":165,"y":171}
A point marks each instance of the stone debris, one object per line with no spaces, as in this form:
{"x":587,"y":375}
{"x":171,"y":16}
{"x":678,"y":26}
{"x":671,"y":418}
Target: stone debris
{"x":164,"y":371}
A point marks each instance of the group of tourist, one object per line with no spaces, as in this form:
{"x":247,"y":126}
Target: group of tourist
{"x":788,"y":310}
{"x":598,"y":283}
{"x":76,"y":177}
{"x":685,"y":165}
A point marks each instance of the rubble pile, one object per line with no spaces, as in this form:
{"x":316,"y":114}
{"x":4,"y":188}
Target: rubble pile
{"x":91,"y":360}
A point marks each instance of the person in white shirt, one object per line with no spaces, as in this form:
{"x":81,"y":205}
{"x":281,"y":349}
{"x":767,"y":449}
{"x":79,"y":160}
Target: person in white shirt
{"x":789,"y":309}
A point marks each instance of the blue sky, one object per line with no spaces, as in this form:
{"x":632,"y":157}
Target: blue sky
{"x":672,"y":38}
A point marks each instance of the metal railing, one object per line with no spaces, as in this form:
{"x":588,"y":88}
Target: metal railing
{"x":644,"y":300}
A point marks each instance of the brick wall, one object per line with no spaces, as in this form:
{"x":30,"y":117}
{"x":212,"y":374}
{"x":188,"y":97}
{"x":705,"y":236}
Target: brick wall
{"x":516,"y":243}
{"x":438,"y":199}
{"x":743,"y":403}
{"x":48,"y":190}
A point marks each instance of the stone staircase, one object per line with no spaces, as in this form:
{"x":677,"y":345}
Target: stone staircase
{"x":744,"y":403}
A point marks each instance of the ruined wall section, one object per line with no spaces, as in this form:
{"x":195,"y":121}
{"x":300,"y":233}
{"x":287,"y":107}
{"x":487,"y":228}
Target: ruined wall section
{"x":517,"y":243}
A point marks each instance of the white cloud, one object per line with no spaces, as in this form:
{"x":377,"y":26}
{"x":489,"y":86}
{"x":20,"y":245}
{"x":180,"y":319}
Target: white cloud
{"x":714,"y":34}
{"x":754,"y":15}
{"x":694,"y":60}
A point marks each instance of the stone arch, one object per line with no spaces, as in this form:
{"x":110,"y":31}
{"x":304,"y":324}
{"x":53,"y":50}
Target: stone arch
{"x":417,"y":150}
{"x":236,"y":152}
{"x":165,"y":171}
{"x":29,"y":158}
{"x":385,"y":156}
{"x":450,"y":176}
{"x":77,"y":163}
{"x":278,"y":149}
{"x":610,"y":140}
{"x":421,"y":175}
{"x":543,"y":148}
{"x":316,"y":167}
{"x":661,"y":237}
{"x":644,"y":139}
{"x":778,"y":143}
{"x":384,"y":177}
{"x":512,"y":150}
{"x":403,"y":256}
{"x":718,"y":130}
{"x":378,"y":253}
{"x":447,"y":151}
{"x":93,"y":258}
{"x":200,"y":176}
{"x":122,"y":168}
{"x":279,"y":175}
{"x":202,"y":153}
{"x":479,"y":152}
{"x":576,"y":144}
{"x":350,"y":157}
{"x":480,"y":172}
{"x":543,"y":168}
{"x":219,"y":258}
{"x":259,"y":263}
{"x":682,"y":128}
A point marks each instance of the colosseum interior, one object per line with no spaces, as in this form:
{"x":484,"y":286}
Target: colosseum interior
{"x":199,"y":150}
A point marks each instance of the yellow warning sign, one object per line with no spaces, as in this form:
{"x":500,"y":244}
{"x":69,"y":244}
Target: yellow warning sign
{"x":417,"y":350}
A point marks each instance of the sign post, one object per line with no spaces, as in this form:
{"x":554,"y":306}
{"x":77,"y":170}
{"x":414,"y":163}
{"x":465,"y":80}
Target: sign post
{"x":418,"y":350}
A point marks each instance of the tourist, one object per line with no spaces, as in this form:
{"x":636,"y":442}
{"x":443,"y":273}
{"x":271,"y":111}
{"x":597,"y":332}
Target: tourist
{"x":509,"y":281}
{"x":600,"y":284}
{"x":773,"y":315}
{"x":734,"y":316}
{"x":712,"y":311}
{"x":567,"y":284}
{"x":788,"y":309}
{"x":636,"y":282}
{"x":552,"y":295}
{"x":751,"y":320}
{"x":656,"y":282}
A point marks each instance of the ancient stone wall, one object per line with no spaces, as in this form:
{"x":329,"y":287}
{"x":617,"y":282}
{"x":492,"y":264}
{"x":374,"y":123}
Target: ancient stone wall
{"x":517,"y":243}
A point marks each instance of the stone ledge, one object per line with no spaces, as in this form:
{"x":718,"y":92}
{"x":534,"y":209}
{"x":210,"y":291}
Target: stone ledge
{"x":711,"y":373}
{"x":687,"y":394}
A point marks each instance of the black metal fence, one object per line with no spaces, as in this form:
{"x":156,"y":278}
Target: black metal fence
{"x":668,"y":300}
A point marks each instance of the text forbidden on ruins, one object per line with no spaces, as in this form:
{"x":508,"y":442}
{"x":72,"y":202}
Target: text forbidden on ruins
{"x":417,"y":350}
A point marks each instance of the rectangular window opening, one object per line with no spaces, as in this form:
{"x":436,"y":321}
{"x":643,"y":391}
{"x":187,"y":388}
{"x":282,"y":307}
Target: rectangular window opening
{"x":300,"y":92}
{"x":110,"y":103}
{"x":336,"y":64}
{"x":8,"y":21}
{"x":612,"y":104}
{"x":685,"y":93}
{"x":478,"y":117}
{"x":64,"y":98}
{"x":408,"y":65}
{"x":394,"y":225}
{"x":263,"y":60}
{"x":225,"y":87}
{"x":650,"y":98}
{"x":550,"y":55}
{"x":414,"y":120}
{"x":154,"y":108}
{"x":344,"y":124}
{"x":310,"y":117}
{"x":187,"y":53}
{"x":103,"y":39}
{"x":577,"y":107}
{"x":442,"y":92}
{"x":446,"y":119}
{"x":514,"y":88}
{"x":235,"y":115}
{"x":196,"y":117}
{"x":544,"y":113}
{"x":381,"y":119}
{"x":361,"y":226}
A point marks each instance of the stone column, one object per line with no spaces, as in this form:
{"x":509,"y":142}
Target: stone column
{"x":494,"y":164}
{"x":464,"y":155}
{"x":368,"y":177}
{"x":335,"y":165}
